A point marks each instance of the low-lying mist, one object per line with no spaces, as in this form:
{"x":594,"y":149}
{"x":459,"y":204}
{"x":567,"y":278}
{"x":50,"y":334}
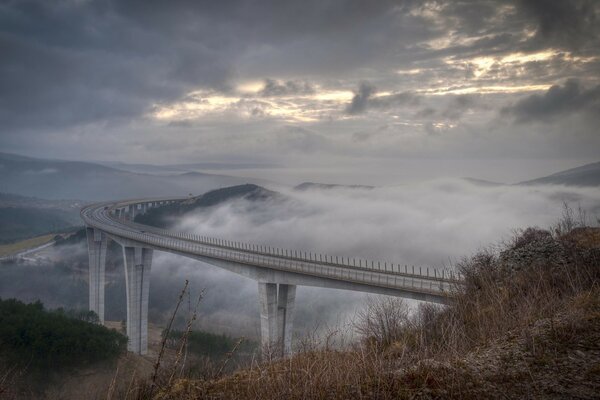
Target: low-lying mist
{"x":430,"y":224}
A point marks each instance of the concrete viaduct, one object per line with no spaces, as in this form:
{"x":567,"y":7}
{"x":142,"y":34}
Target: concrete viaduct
{"x":277,"y":271}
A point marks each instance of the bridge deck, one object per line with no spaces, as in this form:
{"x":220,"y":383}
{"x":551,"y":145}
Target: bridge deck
{"x":437,"y":284}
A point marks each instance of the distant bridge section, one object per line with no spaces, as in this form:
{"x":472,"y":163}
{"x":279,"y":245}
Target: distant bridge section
{"x":278,"y":271}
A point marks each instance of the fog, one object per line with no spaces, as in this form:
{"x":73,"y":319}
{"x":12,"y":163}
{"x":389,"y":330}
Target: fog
{"x":433,"y":224}
{"x":429,"y":224}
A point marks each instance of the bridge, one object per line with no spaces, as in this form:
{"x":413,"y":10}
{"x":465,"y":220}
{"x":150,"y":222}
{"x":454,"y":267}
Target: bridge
{"x":278,"y":271}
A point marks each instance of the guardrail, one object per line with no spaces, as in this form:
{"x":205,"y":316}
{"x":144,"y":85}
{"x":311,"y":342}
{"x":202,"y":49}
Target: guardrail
{"x":348,"y":269}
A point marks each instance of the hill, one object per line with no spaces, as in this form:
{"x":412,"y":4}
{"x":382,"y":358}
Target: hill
{"x":482,"y":182}
{"x":586,"y":175}
{"x":23,"y":217}
{"x":18,"y":223}
{"x":327,"y":186}
{"x":15,"y":200}
{"x":57,"y":179}
{"x":162,"y":216}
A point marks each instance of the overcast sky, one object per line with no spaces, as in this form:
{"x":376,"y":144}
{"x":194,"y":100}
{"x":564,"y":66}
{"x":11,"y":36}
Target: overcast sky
{"x":311,"y":83}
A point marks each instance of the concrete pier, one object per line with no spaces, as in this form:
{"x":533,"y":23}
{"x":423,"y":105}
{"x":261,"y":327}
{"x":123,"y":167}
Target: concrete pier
{"x":97,"y":245}
{"x":138,"y":263}
{"x":276,"y":317}
{"x":132,"y":211}
{"x":276,"y":271}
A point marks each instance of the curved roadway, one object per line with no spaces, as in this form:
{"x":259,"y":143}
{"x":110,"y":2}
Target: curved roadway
{"x":435,"y":285}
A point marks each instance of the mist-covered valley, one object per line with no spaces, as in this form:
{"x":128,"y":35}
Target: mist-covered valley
{"x":431,"y":224}
{"x":366,"y":199}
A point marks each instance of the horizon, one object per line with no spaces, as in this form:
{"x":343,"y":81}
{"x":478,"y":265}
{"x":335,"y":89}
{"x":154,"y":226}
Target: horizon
{"x":281,"y":174}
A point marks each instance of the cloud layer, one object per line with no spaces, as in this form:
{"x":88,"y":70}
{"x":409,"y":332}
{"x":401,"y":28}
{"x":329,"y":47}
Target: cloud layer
{"x":433,"y":224}
{"x":178,"y":80}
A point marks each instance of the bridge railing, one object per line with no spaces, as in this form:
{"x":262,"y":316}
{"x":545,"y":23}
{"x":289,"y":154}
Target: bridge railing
{"x":317,"y":258}
{"x":348,"y":269}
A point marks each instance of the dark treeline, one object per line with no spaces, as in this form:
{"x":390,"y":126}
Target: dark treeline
{"x":40,"y":338}
{"x":209,"y":344}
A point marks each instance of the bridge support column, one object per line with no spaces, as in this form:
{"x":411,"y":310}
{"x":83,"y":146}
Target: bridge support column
{"x":138,"y":262}
{"x":97,"y":245}
{"x":276,"y":317}
{"x":132,"y":211}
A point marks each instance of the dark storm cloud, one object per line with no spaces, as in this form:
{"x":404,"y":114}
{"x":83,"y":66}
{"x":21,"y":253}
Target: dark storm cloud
{"x":569,"y":25}
{"x":285,"y":88}
{"x":361,"y":98}
{"x":68,"y":67}
{"x":453,"y":107}
{"x":558,"y":101}
{"x":364,"y":99}
{"x":573,"y":24}
{"x":401,"y":99}
{"x":66,"y":63}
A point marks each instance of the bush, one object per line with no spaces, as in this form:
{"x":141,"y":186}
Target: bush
{"x":383,"y":321}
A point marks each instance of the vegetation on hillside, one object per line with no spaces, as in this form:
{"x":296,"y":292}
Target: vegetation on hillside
{"x":208,"y":344}
{"x":17,"y":223}
{"x":162,"y":217}
{"x":31,"y":336}
{"x":524,"y":324}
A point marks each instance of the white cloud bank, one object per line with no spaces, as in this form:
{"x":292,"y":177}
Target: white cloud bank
{"x":427,"y":224}
{"x":421,"y":224}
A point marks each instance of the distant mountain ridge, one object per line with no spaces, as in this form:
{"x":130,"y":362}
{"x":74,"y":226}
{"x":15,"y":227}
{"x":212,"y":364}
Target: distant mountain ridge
{"x":586,"y":175}
{"x":18,"y":223}
{"x":16,"y":200}
{"x":327,"y":186}
{"x":57,"y":179}
{"x":179,"y":168}
{"x":482,"y":182}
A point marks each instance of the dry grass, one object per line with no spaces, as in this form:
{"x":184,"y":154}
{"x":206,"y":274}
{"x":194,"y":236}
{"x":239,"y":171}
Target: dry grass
{"x":404,"y":356}
{"x":525,"y":324}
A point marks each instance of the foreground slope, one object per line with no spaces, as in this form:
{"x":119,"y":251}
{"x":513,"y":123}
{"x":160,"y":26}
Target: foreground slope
{"x":526,"y":325}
